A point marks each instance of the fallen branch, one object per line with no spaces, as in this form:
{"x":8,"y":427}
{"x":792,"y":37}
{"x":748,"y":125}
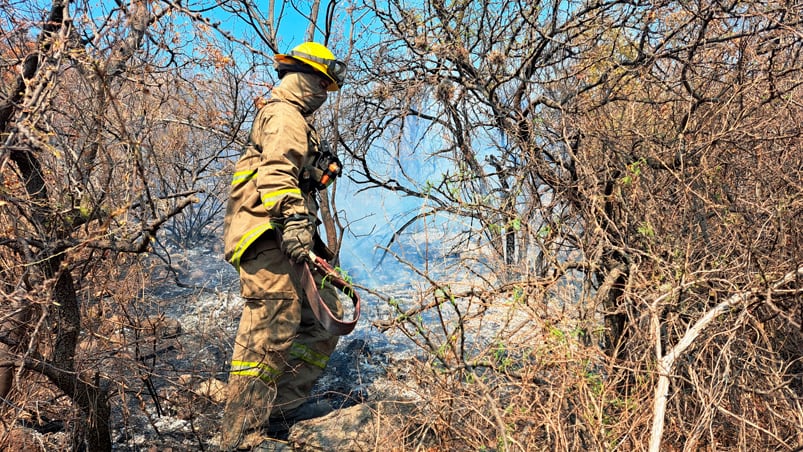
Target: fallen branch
{"x":667,"y":362}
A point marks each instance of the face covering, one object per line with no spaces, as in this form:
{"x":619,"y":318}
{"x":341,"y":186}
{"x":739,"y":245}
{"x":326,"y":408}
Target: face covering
{"x":303,"y":90}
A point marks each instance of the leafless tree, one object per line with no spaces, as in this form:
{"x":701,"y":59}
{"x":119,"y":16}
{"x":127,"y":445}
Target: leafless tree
{"x":107,"y":138}
{"x":613,"y":191}
{"x":608,"y":154}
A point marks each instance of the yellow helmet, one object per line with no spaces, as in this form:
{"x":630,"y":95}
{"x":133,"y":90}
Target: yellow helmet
{"x":319,"y":58}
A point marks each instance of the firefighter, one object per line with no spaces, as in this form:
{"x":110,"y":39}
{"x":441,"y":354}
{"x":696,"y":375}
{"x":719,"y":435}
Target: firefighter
{"x":271,"y":217}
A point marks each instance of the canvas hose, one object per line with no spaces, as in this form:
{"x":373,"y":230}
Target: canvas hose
{"x":319,"y":308}
{"x":322,"y":313}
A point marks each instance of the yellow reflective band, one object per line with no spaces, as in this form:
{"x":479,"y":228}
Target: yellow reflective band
{"x":254,"y":369}
{"x":270,"y":199}
{"x":243,"y":176}
{"x":246,"y":241}
{"x":308,"y":355}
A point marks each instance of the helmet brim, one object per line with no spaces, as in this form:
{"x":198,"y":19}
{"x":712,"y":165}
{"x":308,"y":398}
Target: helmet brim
{"x":291,"y":60}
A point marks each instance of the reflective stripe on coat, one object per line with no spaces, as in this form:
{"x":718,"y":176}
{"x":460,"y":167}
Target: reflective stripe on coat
{"x":264,"y":187}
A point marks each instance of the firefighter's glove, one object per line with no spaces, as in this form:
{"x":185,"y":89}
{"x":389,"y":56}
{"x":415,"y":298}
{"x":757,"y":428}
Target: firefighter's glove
{"x":297,"y":239}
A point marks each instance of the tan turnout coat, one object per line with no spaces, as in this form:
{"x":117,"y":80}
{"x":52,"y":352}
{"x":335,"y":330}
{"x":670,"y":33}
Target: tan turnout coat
{"x":264,"y":189}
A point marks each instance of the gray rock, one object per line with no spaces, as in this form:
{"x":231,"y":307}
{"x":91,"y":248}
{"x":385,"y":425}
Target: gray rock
{"x":370,"y":426}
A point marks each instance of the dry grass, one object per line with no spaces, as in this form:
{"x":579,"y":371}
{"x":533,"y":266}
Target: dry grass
{"x":523,"y":373}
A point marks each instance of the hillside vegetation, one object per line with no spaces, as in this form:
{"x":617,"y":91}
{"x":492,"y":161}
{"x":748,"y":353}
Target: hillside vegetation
{"x":614,"y":189}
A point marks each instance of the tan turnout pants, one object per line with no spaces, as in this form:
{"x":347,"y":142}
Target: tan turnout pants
{"x":280,"y":348}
